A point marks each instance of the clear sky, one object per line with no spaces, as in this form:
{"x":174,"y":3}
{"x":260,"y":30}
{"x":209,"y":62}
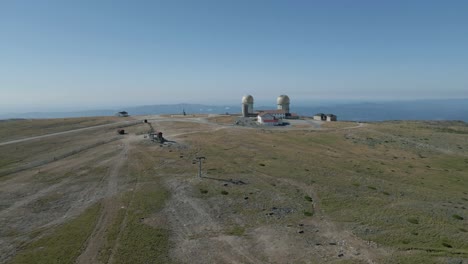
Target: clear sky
{"x":99,"y":53}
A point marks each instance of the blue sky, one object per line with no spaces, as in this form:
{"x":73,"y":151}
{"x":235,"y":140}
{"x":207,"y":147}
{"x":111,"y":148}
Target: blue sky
{"x":68,"y":54}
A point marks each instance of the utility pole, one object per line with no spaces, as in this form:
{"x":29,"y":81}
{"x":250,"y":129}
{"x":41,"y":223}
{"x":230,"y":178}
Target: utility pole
{"x":199,"y":159}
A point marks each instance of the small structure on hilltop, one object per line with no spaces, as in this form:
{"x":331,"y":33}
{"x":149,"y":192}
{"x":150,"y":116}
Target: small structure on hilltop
{"x":278,"y":114}
{"x":319,"y":117}
{"x":247,"y":106}
{"x":331,"y":117}
{"x":268,"y":119}
{"x":122,"y":114}
{"x":325,"y":117}
{"x":158,"y":137}
{"x":283,"y":103}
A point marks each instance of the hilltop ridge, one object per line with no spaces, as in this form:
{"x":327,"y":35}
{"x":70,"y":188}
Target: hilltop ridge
{"x":387,"y":192}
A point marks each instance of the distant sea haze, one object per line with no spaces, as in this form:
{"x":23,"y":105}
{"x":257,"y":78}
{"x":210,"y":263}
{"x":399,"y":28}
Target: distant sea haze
{"x":447,"y":109}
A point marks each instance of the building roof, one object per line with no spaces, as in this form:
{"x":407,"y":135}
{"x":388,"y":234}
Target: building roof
{"x":123,"y":112}
{"x":264,"y":114}
{"x":319,"y":114}
{"x":275,"y":111}
{"x":247,"y":99}
{"x":283,"y":99}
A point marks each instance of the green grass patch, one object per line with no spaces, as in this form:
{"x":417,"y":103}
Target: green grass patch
{"x":308,"y":213}
{"x":458,"y":217}
{"x":236,"y":231}
{"x":64,"y":245}
{"x":447,"y":245}
{"x":111,"y":237}
{"x":224,"y":192}
{"x":308,"y":198}
{"x":413,"y":220}
{"x":141,"y":243}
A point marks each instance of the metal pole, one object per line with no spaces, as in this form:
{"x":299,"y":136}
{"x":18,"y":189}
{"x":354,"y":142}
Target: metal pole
{"x":199,"y":166}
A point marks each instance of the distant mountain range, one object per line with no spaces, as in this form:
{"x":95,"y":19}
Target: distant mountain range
{"x":449,"y":109}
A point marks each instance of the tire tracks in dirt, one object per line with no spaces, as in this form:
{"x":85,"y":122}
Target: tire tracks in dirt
{"x":125,"y":219}
{"x":349,"y":244}
{"x":108,"y":212}
{"x":124,"y":123}
{"x":195,"y":230}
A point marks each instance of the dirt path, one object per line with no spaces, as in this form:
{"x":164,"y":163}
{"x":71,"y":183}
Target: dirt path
{"x":109,"y":210}
{"x":346,"y":243}
{"x":34,"y":197}
{"x":197,"y":232}
{"x":67,"y":132}
{"x":350,"y":245}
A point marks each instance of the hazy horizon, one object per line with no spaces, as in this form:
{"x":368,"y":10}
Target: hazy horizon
{"x":88,"y":55}
{"x":258,"y":103}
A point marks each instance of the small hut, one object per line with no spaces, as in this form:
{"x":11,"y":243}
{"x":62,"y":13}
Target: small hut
{"x":122,"y":114}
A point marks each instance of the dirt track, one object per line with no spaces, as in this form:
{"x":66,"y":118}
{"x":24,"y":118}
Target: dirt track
{"x":66,"y":132}
{"x":110,"y":206}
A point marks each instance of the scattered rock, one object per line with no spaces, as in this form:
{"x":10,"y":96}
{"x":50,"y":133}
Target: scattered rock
{"x":300,"y":231}
{"x":237,"y":182}
{"x":340,"y":255}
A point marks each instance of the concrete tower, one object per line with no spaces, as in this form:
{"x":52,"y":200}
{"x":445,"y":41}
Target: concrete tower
{"x":247,"y":105}
{"x":283,"y":103}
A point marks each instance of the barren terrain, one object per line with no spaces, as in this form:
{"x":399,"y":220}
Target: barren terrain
{"x":311,"y":192}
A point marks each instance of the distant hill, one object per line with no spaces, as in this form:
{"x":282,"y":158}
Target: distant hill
{"x":455,"y":109}
{"x":450,"y":109}
{"x":135,"y":110}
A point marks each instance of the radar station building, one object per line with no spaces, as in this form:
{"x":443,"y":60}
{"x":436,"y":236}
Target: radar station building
{"x":270,"y":117}
{"x":325,"y":117}
{"x":283,"y":103}
{"x":247,"y":106}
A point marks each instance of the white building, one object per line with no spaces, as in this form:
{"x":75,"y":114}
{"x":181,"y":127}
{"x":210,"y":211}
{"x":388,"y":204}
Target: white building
{"x":331,"y":117}
{"x":278,"y":114}
{"x":283,"y":103}
{"x":319,"y":117}
{"x":325,"y":117}
{"x":267,"y":119}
